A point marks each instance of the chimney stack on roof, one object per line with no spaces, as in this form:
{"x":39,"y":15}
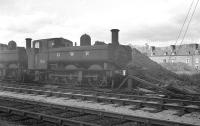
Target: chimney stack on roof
{"x":196,"y":46}
{"x":153,"y":48}
{"x":173,"y":47}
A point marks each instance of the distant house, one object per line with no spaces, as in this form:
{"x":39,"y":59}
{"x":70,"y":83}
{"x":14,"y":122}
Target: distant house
{"x":188,"y":53}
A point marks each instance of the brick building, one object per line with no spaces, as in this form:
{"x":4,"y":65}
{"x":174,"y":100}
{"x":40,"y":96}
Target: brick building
{"x":188,"y":53}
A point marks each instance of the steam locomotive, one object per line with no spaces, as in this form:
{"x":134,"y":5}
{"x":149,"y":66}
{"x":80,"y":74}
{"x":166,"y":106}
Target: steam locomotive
{"x":56,"y":60}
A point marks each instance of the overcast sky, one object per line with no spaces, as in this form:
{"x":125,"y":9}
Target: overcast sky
{"x":156,"y":22}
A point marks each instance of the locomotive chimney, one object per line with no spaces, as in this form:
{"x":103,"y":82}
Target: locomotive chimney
{"x":28,"y":43}
{"x":115,"y":36}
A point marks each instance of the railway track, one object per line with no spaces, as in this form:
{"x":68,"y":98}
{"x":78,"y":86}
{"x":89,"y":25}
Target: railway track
{"x":160,"y":104}
{"x":61,"y":87}
{"x":73,"y":116}
{"x":139,"y":102}
{"x":56,"y":115}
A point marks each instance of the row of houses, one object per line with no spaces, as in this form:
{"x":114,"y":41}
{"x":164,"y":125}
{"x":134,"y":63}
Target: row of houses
{"x":187,"y":53}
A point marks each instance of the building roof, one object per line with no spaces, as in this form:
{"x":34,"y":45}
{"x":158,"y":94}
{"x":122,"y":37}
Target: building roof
{"x":186,"y":49}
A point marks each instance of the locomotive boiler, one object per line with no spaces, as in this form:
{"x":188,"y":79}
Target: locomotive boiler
{"x":57,"y":60}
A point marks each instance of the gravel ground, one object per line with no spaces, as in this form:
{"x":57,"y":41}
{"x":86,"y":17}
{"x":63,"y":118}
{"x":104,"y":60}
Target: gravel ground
{"x":191,"y":118}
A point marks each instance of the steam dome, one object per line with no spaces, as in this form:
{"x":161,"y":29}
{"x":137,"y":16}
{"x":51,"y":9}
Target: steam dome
{"x":85,"y":40}
{"x":12,"y":45}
